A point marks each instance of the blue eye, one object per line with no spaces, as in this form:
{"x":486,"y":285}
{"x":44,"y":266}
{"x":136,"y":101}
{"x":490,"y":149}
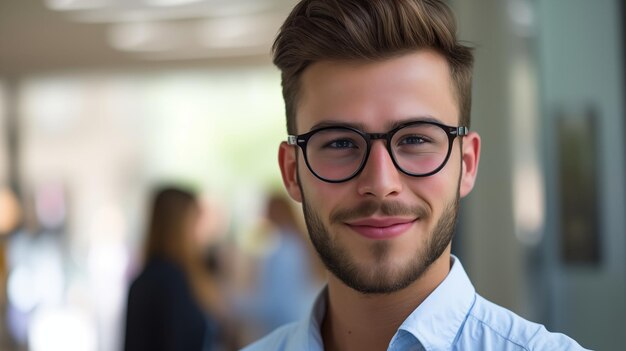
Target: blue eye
{"x":413,"y":140}
{"x":341,"y":144}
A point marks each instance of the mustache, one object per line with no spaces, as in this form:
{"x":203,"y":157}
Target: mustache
{"x":370,"y":207}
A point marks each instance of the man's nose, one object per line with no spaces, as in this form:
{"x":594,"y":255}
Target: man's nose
{"x":380,"y":177}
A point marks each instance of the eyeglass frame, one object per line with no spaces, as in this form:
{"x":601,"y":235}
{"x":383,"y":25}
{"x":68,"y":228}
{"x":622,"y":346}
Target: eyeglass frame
{"x":302,"y":140}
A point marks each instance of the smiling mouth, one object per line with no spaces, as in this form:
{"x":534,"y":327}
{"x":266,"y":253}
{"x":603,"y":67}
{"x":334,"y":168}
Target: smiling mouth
{"x":385,"y":228}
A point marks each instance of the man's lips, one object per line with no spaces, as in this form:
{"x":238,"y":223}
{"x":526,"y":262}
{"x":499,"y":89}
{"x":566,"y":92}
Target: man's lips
{"x":381,"y":228}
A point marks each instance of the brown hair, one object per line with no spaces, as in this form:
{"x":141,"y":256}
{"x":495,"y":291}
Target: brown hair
{"x":371,"y":30}
{"x":166,"y":234}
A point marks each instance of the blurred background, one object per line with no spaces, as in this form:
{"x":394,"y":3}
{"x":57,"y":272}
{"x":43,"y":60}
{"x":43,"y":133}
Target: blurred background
{"x":102,"y":100}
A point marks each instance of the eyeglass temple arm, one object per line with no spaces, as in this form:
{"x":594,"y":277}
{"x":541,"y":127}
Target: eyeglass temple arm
{"x":292,"y":139}
{"x":461,"y":131}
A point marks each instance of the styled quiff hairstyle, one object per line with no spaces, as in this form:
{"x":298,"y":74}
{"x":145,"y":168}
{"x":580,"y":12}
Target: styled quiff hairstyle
{"x":368,"y":30}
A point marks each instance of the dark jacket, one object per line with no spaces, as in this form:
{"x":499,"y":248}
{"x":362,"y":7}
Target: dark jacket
{"x":162,"y":314}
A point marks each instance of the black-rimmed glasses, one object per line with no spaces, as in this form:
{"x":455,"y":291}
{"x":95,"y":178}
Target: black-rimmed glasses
{"x":337,"y":154}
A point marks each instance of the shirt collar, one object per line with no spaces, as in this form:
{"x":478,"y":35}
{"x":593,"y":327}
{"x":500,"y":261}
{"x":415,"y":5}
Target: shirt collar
{"x":437,"y":321}
{"x":309,"y":333}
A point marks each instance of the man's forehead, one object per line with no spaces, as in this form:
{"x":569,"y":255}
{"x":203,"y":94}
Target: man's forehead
{"x":403,"y":87}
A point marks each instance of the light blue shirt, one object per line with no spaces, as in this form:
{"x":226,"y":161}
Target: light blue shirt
{"x":453,"y":317}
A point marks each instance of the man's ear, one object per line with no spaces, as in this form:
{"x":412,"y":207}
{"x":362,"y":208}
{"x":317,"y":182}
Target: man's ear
{"x":289,"y":170}
{"x":470,"y":155}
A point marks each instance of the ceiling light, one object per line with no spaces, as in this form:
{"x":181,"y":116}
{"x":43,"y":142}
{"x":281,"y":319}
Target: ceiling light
{"x":143,"y":36}
{"x":250,"y":31}
{"x":72,"y":5}
{"x":170,"y":3}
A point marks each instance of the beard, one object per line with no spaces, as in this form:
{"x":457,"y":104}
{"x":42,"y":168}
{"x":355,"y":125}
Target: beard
{"x":380,"y":277}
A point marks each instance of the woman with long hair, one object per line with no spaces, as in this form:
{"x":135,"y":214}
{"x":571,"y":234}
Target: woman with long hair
{"x":173,"y":303}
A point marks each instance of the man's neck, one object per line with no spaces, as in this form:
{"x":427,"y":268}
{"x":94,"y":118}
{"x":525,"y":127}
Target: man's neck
{"x":355,"y":321}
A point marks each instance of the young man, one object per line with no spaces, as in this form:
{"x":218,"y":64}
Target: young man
{"x":377,"y":96}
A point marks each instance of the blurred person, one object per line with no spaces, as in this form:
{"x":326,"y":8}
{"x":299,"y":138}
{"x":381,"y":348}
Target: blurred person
{"x":286,"y":279}
{"x":174,"y":303}
{"x":379,"y":153}
{"x":35,"y":260}
{"x":10,"y":217}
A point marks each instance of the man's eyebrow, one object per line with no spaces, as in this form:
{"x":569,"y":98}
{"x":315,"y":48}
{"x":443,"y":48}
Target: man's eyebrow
{"x":361,"y":126}
{"x":337,"y":123}
{"x":425,"y":118}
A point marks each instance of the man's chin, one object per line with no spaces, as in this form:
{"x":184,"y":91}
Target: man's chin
{"x":385,"y":276}
{"x":379,"y":284}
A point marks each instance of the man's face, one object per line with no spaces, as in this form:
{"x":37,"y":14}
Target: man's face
{"x":380,"y":231}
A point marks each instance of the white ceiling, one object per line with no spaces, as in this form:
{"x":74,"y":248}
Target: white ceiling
{"x":51,"y":35}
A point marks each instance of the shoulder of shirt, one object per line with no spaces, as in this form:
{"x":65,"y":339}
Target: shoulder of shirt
{"x":283,"y":338}
{"x":517,"y":332}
